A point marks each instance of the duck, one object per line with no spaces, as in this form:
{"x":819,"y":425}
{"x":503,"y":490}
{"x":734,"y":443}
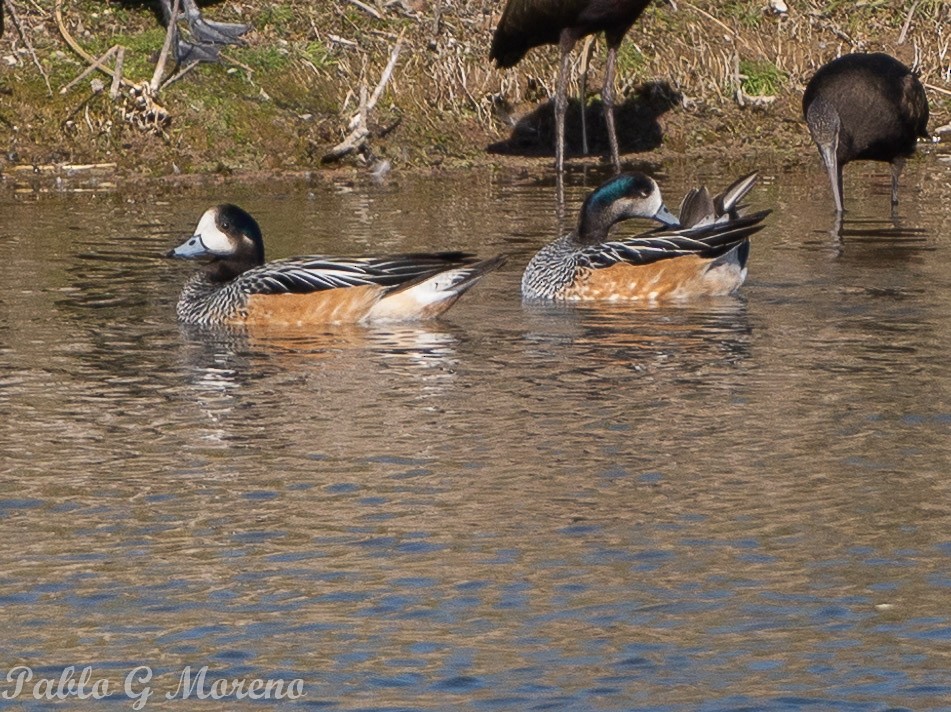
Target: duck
{"x":238,"y":287}
{"x":865,"y":107}
{"x":703,"y":253}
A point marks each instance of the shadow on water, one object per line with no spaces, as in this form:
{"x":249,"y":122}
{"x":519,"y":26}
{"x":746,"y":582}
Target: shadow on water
{"x":637,"y":122}
{"x":890,"y":239}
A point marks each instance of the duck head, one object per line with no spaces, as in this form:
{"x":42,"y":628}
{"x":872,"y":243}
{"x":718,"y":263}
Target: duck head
{"x":628,"y":195}
{"x":228,"y":237}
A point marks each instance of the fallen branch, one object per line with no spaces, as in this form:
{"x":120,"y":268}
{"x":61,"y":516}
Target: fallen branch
{"x":76,"y":47}
{"x":97,"y":64}
{"x":384,"y":80}
{"x":117,"y":77}
{"x":932,"y":87}
{"x":163,"y":55}
{"x":8,"y":4}
{"x":357,"y":138}
{"x":366,"y":8}
{"x":180,"y":73}
{"x":359,"y":132}
{"x":904,"y":29}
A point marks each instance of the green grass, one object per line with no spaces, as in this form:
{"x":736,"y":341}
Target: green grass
{"x":265,"y":59}
{"x":276,"y":17}
{"x":318,"y":55}
{"x":747,"y":14}
{"x":761,"y":78}
{"x":630,"y":61}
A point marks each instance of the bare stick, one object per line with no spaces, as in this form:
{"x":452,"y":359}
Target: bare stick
{"x":26,"y":40}
{"x":932,"y":87}
{"x":76,"y":47}
{"x":384,"y":79}
{"x":166,"y":46}
{"x":711,"y":17}
{"x":357,"y":138}
{"x":117,"y":77}
{"x":363,"y":105}
{"x":350,"y":144}
{"x":904,"y":29}
{"x":180,"y":73}
{"x":90,"y":69}
{"x":366,"y":8}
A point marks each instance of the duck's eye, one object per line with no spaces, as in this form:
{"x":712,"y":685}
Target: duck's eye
{"x":225,"y":225}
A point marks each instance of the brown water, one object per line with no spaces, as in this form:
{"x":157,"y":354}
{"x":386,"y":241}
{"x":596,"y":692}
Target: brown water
{"x":736,"y":504}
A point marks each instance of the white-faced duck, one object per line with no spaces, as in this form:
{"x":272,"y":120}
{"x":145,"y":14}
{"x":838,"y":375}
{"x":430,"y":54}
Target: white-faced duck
{"x":702,"y":254}
{"x":865,"y":107}
{"x":238,"y":287}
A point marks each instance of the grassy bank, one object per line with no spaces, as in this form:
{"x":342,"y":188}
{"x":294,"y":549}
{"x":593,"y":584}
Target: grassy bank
{"x":708,"y":77}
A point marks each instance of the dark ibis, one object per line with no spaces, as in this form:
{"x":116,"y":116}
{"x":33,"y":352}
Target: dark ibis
{"x":530,"y":23}
{"x":865,"y":107}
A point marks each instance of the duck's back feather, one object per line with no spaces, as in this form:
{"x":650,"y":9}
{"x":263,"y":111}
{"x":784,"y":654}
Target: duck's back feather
{"x":302,"y":275}
{"x":707,"y":242}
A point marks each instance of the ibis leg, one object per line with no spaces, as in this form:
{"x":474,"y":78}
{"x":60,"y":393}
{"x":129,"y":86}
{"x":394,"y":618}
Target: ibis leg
{"x":561,"y":102}
{"x":897,"y":165}
{"x":607,"y":99}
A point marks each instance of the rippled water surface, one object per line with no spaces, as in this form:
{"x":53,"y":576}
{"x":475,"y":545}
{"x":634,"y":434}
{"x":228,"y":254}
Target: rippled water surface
{"x":742,"y":503}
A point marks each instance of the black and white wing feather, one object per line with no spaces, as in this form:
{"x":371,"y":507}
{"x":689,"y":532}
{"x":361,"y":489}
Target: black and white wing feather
{"x":301,"y":275}
{"x":708,"y":241}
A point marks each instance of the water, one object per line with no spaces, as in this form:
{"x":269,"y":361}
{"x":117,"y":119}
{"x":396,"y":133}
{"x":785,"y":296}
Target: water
{"x":741,"y":503}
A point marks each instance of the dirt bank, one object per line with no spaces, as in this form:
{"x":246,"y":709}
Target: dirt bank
{"x":704,"y":79}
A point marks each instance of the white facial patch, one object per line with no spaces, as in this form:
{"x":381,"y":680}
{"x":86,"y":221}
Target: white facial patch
{"x":212,"y":238}
{"x":654,"y":200}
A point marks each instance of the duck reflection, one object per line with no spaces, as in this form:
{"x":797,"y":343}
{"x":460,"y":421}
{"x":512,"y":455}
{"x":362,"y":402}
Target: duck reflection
{"x":290,"y":377}
{"x":686,"y":338}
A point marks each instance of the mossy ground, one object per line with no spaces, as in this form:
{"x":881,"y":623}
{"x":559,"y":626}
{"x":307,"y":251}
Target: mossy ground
{"x":279,"y":102}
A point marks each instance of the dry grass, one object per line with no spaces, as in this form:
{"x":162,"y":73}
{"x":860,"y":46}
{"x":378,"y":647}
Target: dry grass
{"x":306,"y":60}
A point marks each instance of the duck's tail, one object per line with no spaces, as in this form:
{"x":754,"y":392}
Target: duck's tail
{"x":430,"y":296}
{"x":699,"y":209}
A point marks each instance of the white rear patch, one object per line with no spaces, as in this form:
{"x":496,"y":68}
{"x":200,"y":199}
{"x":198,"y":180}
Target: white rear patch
{"x":422,"y":301}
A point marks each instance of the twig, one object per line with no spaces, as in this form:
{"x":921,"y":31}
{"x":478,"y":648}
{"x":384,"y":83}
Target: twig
{"x":384,"y":79}
{"x":366,"y":8}
{"x":350,"y":144}
{"x":363,"y":106}
{"x":97,"y":64}
{"x":75,"y":46}
{"x":180,"y":73}
{"x":710,"y":17}
{"x":26,"y":40}
{"x":248,"y":70}
{"x":166,"y":46}
{"x":359,"y":132}
{"x":932,"y":87}
{"x":904,"y":29}
{"x":117,"y":77}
